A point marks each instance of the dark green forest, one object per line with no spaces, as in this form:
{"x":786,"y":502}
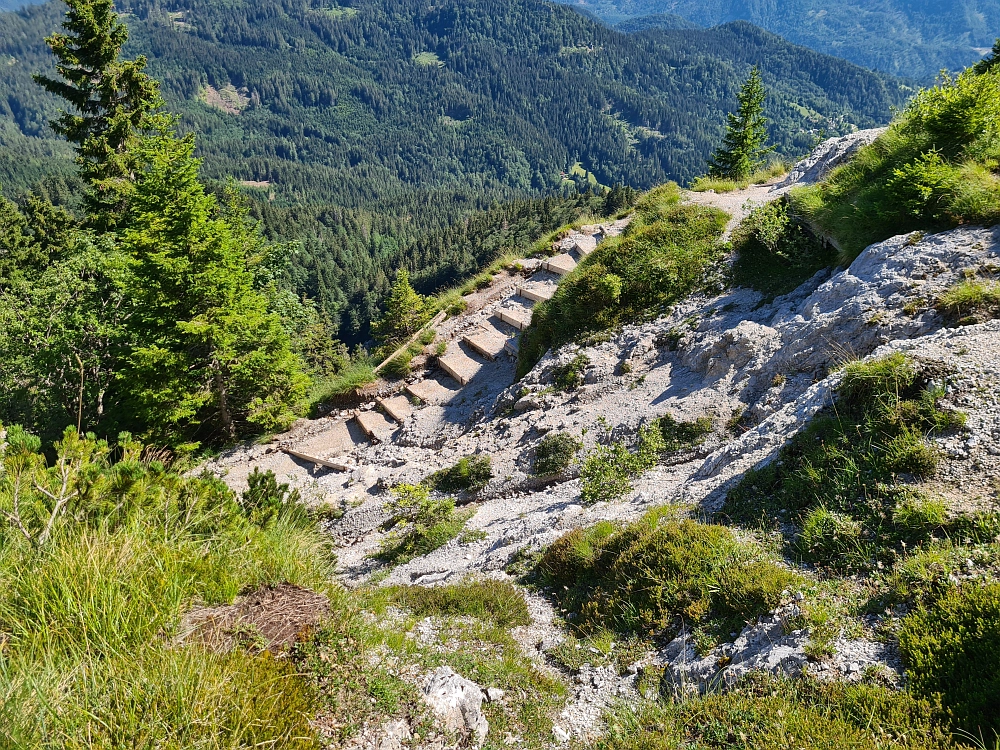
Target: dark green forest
{"x":905,"y":37}
{"x":381,"y":135}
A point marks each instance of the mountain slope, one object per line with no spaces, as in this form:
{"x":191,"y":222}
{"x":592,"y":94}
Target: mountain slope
{"x":895,"y":36}
{"x":356,"y":105}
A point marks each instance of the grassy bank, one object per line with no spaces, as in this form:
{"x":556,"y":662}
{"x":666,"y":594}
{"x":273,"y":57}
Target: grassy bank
{"x":936,"y":167}
{"x":660,"y":259}
{"x":88,"y":609}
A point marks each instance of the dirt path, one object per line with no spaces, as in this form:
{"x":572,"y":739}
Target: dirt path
{"x":739,"y":202}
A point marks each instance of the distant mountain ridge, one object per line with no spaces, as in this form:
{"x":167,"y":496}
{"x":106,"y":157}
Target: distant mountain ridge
{"x":916,"y":38}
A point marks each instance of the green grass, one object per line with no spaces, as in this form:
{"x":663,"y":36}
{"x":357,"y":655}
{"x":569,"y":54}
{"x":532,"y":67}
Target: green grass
{"x":936,"y":167}
{"x":972,"y":300}
{"x":658,"y":573}
{"x":722,"y":185}
{"x":764,"y":713}
{"x":496,"y":602}
{"x":838,"y":481}
{"x":87,"y":616}
{"x":357,"y":373}
{"x":662,"y":257}
{"x":776,"y":251}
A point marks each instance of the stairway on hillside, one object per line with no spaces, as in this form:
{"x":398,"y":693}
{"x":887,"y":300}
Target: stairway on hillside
{"x":476,"y":344}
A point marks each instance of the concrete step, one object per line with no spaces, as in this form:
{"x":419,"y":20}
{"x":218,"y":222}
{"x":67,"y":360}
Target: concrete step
{"x":513,"y":346}
{"x":486,"y":341}
{"x":537,"y":292}
{"x":432,"y":391}
{"x":397,"y":407}
{"x":376,"y":425}
{"x":519,"y":317}
{"x":459,"y":365}
{"x":560,"y":264}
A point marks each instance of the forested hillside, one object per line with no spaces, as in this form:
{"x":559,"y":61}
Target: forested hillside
{"x":896,"y":36}
{"x":407,"y":117}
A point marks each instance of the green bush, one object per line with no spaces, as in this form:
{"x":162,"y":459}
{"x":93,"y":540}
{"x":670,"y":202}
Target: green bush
{"x":840,"y":477}
{"x":607,"y":471}
{"x":264,"y":500}
{"x":469,"y":474}
{"x":554,"y":453}
{"x":418,"y":525}
{"x":935,"y":168}
{"x":662,"y":257}
{"x":776,"y":252}
{"x":657,"y":574}
{"x":950,"y":649}
{"x":683,"y":435}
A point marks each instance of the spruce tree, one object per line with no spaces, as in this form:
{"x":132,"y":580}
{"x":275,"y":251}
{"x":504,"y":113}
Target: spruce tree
{"x":405,"y":311}
{"x":113,"y":100}
{"x":745,"y":143}
{"x":213,"y":361}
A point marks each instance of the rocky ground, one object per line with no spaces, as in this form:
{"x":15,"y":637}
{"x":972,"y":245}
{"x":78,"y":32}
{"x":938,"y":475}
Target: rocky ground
{"x":758,"y":368}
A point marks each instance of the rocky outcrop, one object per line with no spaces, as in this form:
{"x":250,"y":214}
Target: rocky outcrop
{"x":828,"y":155}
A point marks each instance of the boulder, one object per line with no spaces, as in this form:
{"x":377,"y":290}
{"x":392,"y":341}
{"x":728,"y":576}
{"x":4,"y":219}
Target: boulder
{"x":829,"y":154}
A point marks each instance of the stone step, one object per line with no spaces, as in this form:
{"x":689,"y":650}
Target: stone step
{"x":560,"y":264}
{"x":585,"y":245}
{"x":459,"y":365}
{"x":431,"y":391}
{"x":519,"y":317}
{"x":488,"y":342}
{"x":339,"y":438}
{"x":537,"y":292}
{"x":397,"y":407}
{"x":513,"y":346}
{"x":376,"y":425}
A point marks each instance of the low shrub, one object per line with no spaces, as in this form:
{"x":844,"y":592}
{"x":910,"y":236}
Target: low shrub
{"x":469,"y":474}
{"x":949,"y":648}
{"x":265,"y":501}
{"x":569,"y":377}
{"x":607,"y":471}
{"x":776,"y":251}
{"x":658,"y":574}
{"x":679,"y":436}
{"x":839,"y":479}
{"x":419,"y":524}
{"x":554,"y":453}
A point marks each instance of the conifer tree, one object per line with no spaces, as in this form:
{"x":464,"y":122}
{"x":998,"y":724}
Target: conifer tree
{"x":212,"y":360}
{"x":113,"y":100}
{"x":988,"y":63}
{"x":745,"y":143}
{"x":405,"y":311}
